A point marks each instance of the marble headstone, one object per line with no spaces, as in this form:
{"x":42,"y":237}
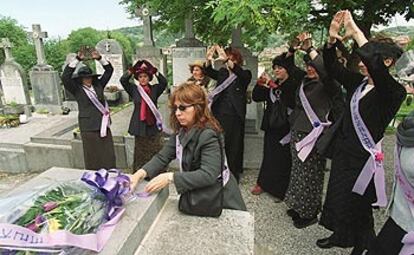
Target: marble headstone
{"x":12,"y":78}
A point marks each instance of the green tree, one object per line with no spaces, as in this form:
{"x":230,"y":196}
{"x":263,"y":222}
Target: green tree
{"x":84,"y":37}
{"x":215,"y":19}
{"x":56,"y":51}
{"x":366,"y":12}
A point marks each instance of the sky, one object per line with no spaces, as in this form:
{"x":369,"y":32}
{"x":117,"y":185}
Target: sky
{"x":60,"y":17}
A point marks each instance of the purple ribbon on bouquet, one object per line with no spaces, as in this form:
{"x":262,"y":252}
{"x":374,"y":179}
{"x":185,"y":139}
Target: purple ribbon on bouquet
{"x":408,"y":189}
{"x":13,"y":236}
{"x":103,"y":109}
{"x":220,"y":87}
{"x":154,"y":110}
{"x":114,"y":188}
{"x":374,"y":166}
{"x":305,"y":146}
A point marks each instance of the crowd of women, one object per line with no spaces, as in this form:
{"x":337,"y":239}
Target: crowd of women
{"x":324,"y":111}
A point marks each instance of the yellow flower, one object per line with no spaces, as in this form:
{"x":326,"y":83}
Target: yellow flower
{"x":54,"y":225}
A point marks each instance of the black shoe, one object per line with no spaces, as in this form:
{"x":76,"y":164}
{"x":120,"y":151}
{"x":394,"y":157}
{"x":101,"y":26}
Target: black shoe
{"x":304,"y":222}
{"x":325,"y":243}
{"x":293,"y":214}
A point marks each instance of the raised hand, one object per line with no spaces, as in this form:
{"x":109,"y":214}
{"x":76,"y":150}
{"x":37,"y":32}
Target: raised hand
{"x":222,"y":54}
{"x":335,"y":27}
{"x":95,"y":54}
{"x":294,"y":43}
{"x":306,"y":41}
{"x":351,"y":27}
{"x":210,"y":53}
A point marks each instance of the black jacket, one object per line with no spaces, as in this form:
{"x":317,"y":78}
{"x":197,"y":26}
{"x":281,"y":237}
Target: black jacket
{"x":232,"y":100}
{"x":89,"y":116}
{"x":136,"y":126}
{"x":320,"y":94}
{"x":377,"y":108}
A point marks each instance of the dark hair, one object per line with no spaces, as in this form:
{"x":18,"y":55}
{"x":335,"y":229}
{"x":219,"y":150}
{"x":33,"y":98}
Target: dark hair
{"x":387,"y":47}
{"x":192,"y":94}
{"x":235,"y":53}
{"x":192,"y":68}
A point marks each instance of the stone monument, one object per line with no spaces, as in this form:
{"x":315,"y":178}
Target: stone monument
{"x":187,"y":51}
{"x":12,"y":78}
{"x":47,"y":90}
{"x":112,"y":50}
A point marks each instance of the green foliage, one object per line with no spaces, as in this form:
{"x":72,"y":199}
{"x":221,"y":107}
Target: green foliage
{"x":56,"y":51}
{"x":84,"y":37}
{"x":366,"y":12}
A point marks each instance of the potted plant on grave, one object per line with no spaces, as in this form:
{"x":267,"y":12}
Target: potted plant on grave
{"x":8,"y":121}
{"x":112,"y":93}
{"x":13,"y":108}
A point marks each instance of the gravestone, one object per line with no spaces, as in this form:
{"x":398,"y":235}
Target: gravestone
{"x":112,"y":50}
{"x":153,"y":54}
{"x":187,"y":51}
{"x":254,"y":110}
{"x":12,"y":77}
{"x":47,"y":90}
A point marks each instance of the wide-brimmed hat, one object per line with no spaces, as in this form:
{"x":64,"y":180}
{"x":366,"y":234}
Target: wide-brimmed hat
{"x":283,"y":61}
{"x":198,"y":63}
{"x":143,"y":66}
{"x":85,"y":72}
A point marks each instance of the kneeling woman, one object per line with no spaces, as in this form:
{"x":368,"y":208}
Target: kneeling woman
{"x":200,"y":138}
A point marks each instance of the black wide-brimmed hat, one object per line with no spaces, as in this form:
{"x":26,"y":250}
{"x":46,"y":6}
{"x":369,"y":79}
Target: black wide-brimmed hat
{"x":85,"y":72}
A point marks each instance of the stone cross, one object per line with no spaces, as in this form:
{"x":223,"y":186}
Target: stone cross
{"x":145,"y":14}
{"x":38,"y":36}
{"x":189,"y":33}
{"x":6,"y":45}
{"x":236,"y":38}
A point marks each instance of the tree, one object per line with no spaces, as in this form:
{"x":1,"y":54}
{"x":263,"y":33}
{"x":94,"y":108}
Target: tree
{"x":84,"y":37}
{"x":214,"y":19}
{"x":366,"y":12}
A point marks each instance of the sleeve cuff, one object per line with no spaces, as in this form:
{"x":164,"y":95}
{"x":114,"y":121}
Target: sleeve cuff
{"x":74,"y":63}
{"x":104,"y":61}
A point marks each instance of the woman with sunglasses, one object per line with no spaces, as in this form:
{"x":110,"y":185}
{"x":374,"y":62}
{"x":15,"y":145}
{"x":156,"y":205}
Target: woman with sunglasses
{"x":198,"y":134}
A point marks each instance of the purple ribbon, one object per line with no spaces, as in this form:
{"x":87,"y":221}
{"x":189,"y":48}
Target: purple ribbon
{"x":408,"y":241}
{"x":17,"y":236}
{"x":113,"y":188}
{"x":408,"y":189}
{"x":103,"y":109}
{"x":179,"y":156}
{"x":374,"y":166}
{"x":154,"y":110}
{"x":220,"y":87}
{"x":305,"y":146}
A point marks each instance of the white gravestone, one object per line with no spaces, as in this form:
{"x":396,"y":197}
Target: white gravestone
{"x":12,"y":78}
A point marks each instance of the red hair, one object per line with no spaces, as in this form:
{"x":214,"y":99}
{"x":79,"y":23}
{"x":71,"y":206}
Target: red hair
{"x":235,"y":53}
{"x":192,"y":94}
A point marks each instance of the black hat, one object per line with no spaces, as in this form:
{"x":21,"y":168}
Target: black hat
{"x":283,"y":61}
{"x":388,"y":50}
{"x":85,"y":72}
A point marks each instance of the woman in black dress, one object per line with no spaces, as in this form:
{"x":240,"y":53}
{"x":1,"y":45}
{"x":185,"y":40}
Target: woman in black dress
{"x":143,"y":124}
{"x":94,"y":120}
{"x":346,"y":213}
{"x":275,"y":169}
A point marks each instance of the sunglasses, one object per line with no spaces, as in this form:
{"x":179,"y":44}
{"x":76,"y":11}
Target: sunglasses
{"x":181,"y":107}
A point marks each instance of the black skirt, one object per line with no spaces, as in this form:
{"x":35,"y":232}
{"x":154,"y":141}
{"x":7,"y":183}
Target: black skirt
{"x":145,"y":148}
{"x":98,"y":151}
{"x":274,"y":172}
{"x":388,"y":241}
{"x":347,"y":214}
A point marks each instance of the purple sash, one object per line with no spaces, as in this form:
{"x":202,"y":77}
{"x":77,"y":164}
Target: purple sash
{"x":219,"y":88}
{"x":154,"y":110}
{"x":305,"y":146}
{"x":408,"y":190}
{"x":103,"y":109}
{"x":179,"y":157}
{"x":374,"y":166}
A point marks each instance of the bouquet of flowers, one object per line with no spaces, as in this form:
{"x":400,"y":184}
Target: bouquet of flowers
{"x":70,"y":217}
